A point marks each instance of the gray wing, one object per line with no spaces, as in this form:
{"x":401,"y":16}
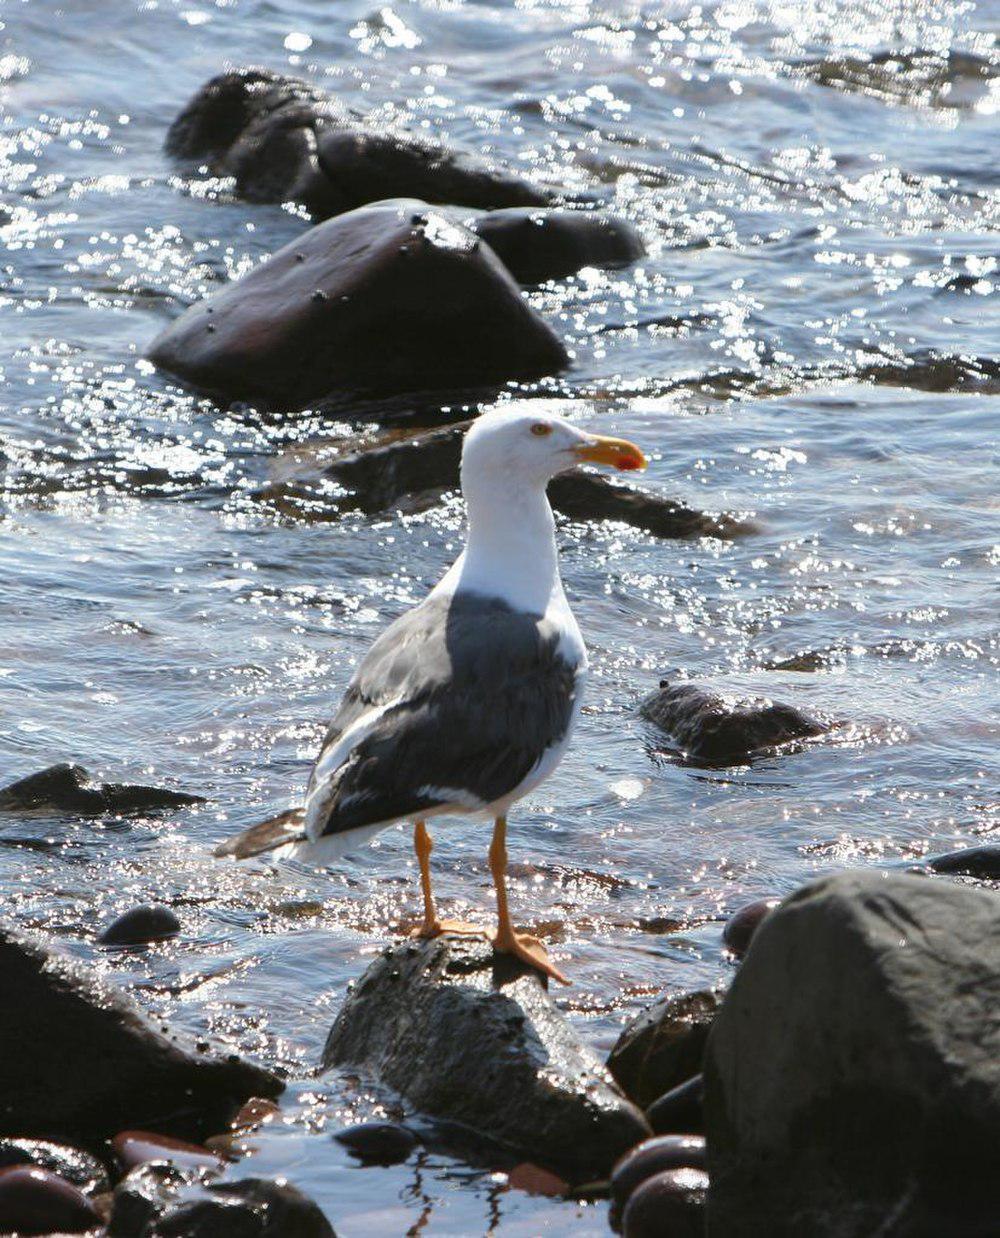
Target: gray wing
{"x":476,"y":691}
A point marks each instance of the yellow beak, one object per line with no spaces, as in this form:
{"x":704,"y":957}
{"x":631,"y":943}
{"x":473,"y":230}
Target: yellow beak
{"x":619,"y":453}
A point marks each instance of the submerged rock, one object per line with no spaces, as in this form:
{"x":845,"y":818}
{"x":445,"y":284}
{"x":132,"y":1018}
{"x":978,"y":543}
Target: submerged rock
{"x":981,"y":862}
{"x":852,"y":1077}
{"x":150,"y":922}
{"x":384,"y":299}
{"x":145,"y":1193}
{"x":286,"y":141}
{"x":36,"y":1201}
{"x":249,"y":1208}
{"x":79,"y":1168}
{"x":474,"y":1037}
{"x":664,"y":1045}
{"x":378,"y":1143}
{"x":743,"y":924}
{"x":669,"y":1205}
{"x":68,"y":788}
{"x":80,"y":1062}
{"x":709,"y":728}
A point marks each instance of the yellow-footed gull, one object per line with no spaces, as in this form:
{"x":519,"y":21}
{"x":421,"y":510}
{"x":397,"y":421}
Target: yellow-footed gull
{"x":468,"y":701}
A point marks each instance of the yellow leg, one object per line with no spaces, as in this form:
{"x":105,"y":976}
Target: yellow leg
{"x":524,"y":947}
{"x":432,"y":926}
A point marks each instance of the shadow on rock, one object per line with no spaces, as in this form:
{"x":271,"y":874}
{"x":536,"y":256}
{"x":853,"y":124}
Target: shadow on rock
{"x":474,"y":1038}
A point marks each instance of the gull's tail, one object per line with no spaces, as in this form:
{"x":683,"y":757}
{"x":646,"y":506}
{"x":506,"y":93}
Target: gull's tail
{"x":281,"y":831}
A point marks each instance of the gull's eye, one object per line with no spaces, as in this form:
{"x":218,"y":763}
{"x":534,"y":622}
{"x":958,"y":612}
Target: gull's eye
{"x":541,"y":429}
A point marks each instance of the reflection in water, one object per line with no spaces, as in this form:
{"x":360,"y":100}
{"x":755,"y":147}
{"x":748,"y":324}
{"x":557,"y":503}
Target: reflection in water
{"x":811,"y":339}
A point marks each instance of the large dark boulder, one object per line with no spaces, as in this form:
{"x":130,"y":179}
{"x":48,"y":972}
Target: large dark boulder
{"x":70,"y":788}
{"x":663,"y":1046}
{"x":79,"y":1062}
{"x":382,"y":474}
{"x":712,"y":729}
{"x":852,"y":1076}
{"x":472,"y":1037}
{"x":382,"y":300}
{"x":286,"y":141}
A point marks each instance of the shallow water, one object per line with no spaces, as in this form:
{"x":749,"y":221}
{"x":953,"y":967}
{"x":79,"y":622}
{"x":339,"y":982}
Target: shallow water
{"x":812,"y":339}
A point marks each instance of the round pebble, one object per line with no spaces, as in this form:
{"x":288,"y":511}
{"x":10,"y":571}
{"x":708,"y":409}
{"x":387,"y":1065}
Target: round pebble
{"x":150,"y":922}
{"x":741,"y":927}
{"x":35,"y":1201}
{"x":654,"y":1156}
{"x":137,"y":1147}
{"x":378,"y":1143}
{"x":670,"y":1203}
{"x":679,"y":1110}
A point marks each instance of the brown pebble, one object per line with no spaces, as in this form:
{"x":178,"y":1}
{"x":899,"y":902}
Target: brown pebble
{"x":534,"y":1180}
{"x":741,"y":927}
{"x":34,"y":1201}
{"x":137,"y":1147}
{"x":670,"y":1203}
{"x":254,"y":1112}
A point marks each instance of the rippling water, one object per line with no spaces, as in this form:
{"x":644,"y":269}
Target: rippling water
{"x":812,"y":339}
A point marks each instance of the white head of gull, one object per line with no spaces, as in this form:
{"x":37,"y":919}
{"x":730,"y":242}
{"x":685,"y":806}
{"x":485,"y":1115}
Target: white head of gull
{"x":468,"y":701}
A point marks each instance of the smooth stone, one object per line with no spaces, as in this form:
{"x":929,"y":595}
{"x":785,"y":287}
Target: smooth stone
{"x":69,"y":788}
{"x":151,"y":922}
{"x":249,"y":1208}
{"x":743,"y":924}
{"x":713,"y":730}
{"x":382,"y":300}
{"x":79,"y":1168}
{"x":474,"y":1037}
{"x":534,"y":1180}
{"x":286,"y":141}
{"x":378,"y":1143}
{"x":540,"y":244}
{"x":134,"y":1148}
{"x":981,"y":862}
{"x":382,"y":474}
{"x":145,"y":1193}
{"x":663,"y":1046}
{"x":669,"y":1205}
{"x":80,"y":1062}
{"x":853,"y":1072}
{"x":680,"y":1110}
{"x":36,"y":1201}
{"x":257,"y":1111}
{"x":651,"y":1157}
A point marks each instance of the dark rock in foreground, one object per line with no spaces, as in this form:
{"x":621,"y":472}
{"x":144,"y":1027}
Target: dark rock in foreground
{"x":68,"y":788}
{"x":709,"y":728}
{"x":36,"y":1201}
{"x":79,"y":1062}
{"x":384,"y":299}
{"x":669,"y":1205}
{"x":981,"y":862}
{"x":250,"y":1208}
{"x":663,"y":1046}
{"x":853,"y":1073}
{"x":78,"y":1168}
{"x":381,"y":475}
{"x":472,"y":1037}
{"x":286,"y":141}
{"x":139,"y":925}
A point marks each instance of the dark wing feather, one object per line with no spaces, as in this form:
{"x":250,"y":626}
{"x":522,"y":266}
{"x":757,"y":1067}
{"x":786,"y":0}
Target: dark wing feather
{"x":481,"y":692}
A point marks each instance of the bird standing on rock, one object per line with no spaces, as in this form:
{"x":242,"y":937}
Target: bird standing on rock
{"x":468,"y":701}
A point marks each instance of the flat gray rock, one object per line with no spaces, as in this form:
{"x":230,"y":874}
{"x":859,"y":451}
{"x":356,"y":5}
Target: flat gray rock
{"x":471,"y":1037}
{"x":852,"y":1075}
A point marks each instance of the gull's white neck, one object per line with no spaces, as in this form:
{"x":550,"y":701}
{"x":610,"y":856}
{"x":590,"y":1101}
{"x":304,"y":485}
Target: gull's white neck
{"x":510,"y":550}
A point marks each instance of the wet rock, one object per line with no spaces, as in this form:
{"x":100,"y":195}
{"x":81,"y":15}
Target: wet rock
{"x":150,"y":922}
{"x":145,"y":1193}
{"x":711,"y":729}
{"x":981,"y":862}
{"x":852,"y":1076}
{"x":669,"y":1205}
{"x":664,"y":1045}
{"x":250,"y":1208}
{"x":36,"y":1201}
{"x":743,"y":924}
{"x":80,"y":1062}
{"x":79,"y":1168}
{"x":133,"y":1148}
{"x":543,"y":244}
{"x":285,"y":141}
{"x":256,"y":1112}
{"x":534,"y":1180}
{"x":68,"y":788}
{"x":380,"y":300}
{"x":379,"y":476}
{"x":679,"y":1110}
{"x":649,"y":1158}
{"x":474,"y":1037}
{"x":378,"y":1143}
